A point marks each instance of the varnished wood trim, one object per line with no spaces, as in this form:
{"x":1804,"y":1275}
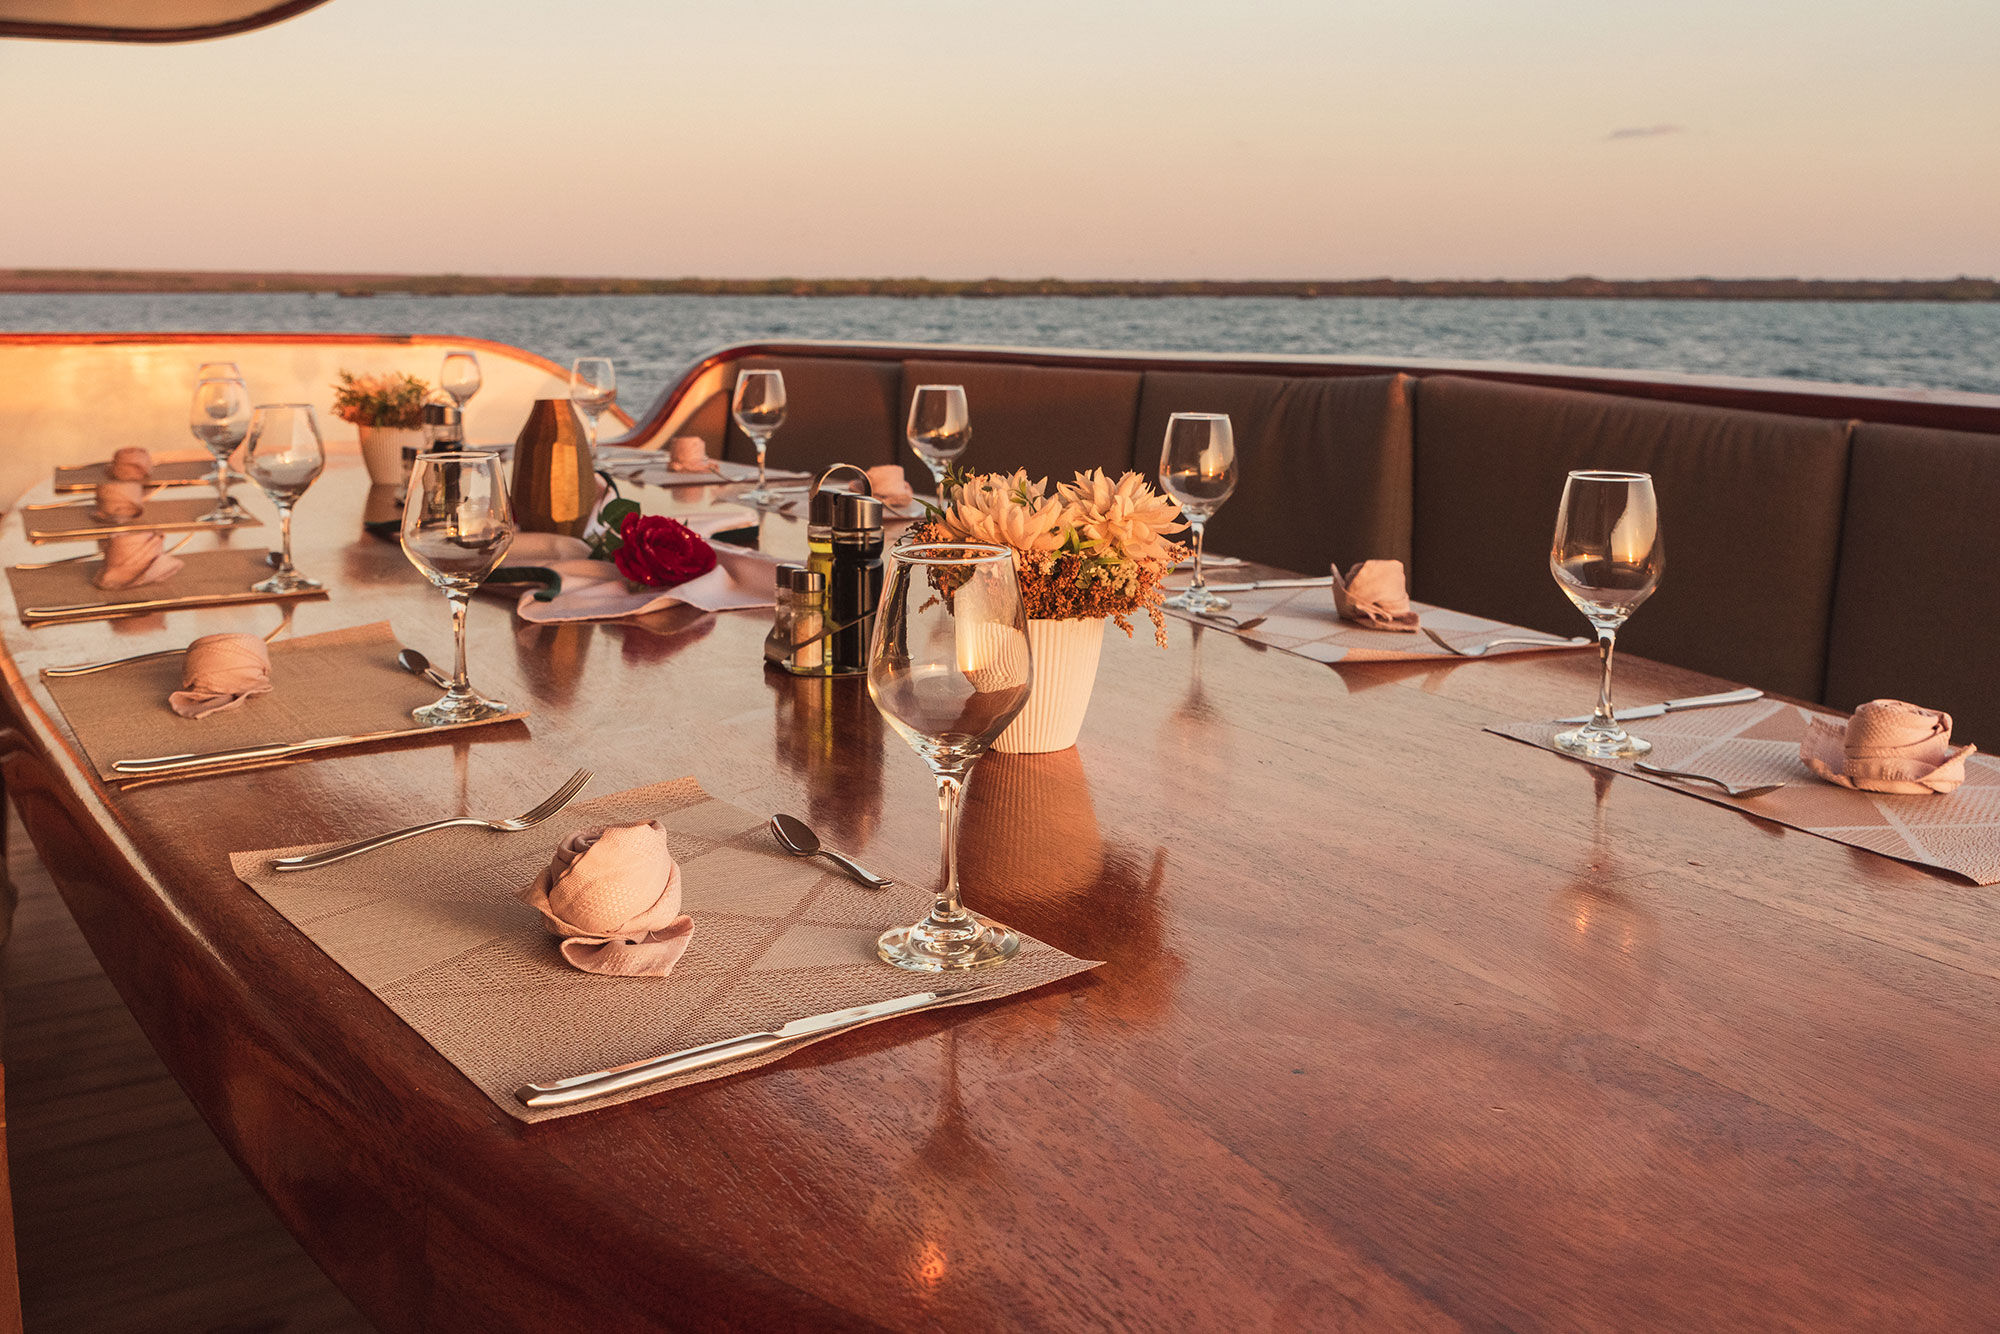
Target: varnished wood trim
{"x":91,"y":32}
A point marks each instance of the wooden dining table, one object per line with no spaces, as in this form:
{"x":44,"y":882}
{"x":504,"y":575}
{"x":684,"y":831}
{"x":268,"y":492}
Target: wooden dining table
{"x":1400,"y":1024}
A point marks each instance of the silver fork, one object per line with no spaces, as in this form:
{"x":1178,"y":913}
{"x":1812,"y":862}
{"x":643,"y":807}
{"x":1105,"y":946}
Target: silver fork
{"x":1481,"y":650}
{"x":558,"y":799}
{"x":1728,"y":789}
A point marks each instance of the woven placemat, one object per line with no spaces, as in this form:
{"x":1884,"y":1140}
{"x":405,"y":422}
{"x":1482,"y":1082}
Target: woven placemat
{"x":342,"y":683}
{"x":434,"y":928}
{"x":1303,"y":621}
{"x":1759,"y":743}
{"x":60,"y":523}
{"x":166,"y":472}
{"x":58,"y":593}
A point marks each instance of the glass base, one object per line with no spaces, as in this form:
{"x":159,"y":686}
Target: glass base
{"x":286,"y":581}
{"x":225,"y":513}
{"x":763,"y":498}
{"x":1197,"y":600}
{"x":454,"y":708}
{"x":922,"y":950}
{"x":1601,"y":744}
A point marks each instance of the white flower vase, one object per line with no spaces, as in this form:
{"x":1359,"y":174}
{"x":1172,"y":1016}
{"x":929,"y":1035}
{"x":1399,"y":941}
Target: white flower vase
{"x":1065,"y":655}
{"x":382,"y":450}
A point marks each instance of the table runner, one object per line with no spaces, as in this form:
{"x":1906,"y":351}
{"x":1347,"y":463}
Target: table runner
{"x":432,"y":927}
{"x":342,"y":683}
{"x":56,"y":523}
{"x":1303,"y":621}
{"x":166,"y":472}
{"x":1759,"y":743}
{"x":208,"y":579}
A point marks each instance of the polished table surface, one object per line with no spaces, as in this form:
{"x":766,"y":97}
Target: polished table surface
{"x":1401,"y":1025}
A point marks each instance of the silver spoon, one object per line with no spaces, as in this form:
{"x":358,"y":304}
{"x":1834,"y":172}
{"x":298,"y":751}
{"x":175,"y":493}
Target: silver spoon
{"x":418,"y":665}
{"x":1729,"y":789}
{"x":796,"y":837}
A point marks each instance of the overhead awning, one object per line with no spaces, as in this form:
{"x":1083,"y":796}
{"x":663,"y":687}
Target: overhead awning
{"x":142,"y":20}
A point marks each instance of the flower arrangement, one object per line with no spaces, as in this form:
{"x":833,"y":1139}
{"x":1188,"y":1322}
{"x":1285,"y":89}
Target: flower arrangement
{"x":393,"y":399}
{"x":1097,"y":547}
{"x":650,"y":551}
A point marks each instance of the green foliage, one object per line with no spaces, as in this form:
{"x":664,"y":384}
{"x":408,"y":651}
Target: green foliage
{"x":610,"y":536}
{"x":394,"y":399}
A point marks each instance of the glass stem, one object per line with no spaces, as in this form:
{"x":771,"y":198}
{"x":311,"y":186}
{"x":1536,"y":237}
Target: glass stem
{"x":1607,"y":643}
{"x":222,"y":481}
{"x":285,"y":539}
{"x":1196,"y":526}
{"x":763,"y":443}
{"x":590,"y":430}
{"x":460,"y":604}
{"x":947,"y":909}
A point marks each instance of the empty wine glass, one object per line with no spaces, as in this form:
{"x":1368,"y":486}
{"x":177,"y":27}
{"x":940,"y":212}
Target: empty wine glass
{"x":457,"y":526}
{"x":218,"y":370}
{"x":949,"y":668}
{"x":460,"y":377}
{"x":1607,"y":559}
{"x":593,"y":386}
{"x":1198,"y":469}
{"x":940,"y":428}
{"x":760,"y":411}
{"x":283,"y":456}
{"x":219,"y":418}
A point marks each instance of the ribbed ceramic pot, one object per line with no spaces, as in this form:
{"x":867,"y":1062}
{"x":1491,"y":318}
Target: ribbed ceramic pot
{"x":1065,"y":656}
{"x":382,"y":450}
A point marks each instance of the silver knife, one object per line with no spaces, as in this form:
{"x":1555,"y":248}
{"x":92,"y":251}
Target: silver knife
{"x":601,"y":1083}
{"x":1253,"y":586}
{"x":1743,"y":696}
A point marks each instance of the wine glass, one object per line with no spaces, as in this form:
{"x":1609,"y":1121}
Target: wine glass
{"x":460,"y":377}
{"x":219,"y":370}
{"x":1198,"y":469}
{"x":283,"y":456}
{"x":1607,"y":559}
{"x":940,"y":428}
{"x":593,"y":386}
{"x":219,"y":418}
{"x":760,"y":411}
{"x":457,"y":526}
{"x":949,"y":668}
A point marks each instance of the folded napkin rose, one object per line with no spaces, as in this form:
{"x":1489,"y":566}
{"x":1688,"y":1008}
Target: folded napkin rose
{"x":1373,"y":594}
{"x":131,"y":464}
{"x":120,"y":501}
{"x":1887,"y":746}
{"x":657,"y":552}
{"x":889,"y":484}
{"x":220,"y":672}
{"x":689,"y":453}
{"x":132,"y":560}
{"x":614,"y":896}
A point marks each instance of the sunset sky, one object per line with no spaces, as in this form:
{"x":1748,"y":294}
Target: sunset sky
{"x":1074,"y":138}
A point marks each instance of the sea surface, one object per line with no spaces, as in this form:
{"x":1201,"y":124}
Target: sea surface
{"x":652,"y":339}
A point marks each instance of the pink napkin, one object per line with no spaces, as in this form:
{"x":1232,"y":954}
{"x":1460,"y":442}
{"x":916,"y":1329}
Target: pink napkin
{"x":1887,"y":746}
{"x":889,"y":484}
{"x":689,"y":453}
{"x":220,"y":672}
{"x":614,"y":896}
{"x":1374,"y":594}
{"x":132,"y":560}
{"x":131,"y":464}
{"x":120,"y":501}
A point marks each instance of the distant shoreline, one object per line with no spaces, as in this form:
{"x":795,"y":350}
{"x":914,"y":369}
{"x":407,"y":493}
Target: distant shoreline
{"x":80,"y":281}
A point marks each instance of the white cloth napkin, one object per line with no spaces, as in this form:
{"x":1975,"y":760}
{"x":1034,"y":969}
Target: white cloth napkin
{"x":593,"y":590}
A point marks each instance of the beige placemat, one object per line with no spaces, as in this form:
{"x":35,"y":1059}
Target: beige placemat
{"x":64,"y":522}
{"x":166,"y":472}
{"x":433,"y":927}
{"x":208,"y":579}
{"x":342,"y":683}
{"x":1759,"y":743}
{"x":1303,"y":621}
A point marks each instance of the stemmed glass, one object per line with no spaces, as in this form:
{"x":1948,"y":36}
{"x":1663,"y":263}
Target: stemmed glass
{"x":219,"y":370}
{"x":593,"y":385}
{"x":1607,"y":558}
{"x":457,"y":526}
{"x":1198,"y":469}
{"x":940,"y":428}
{"x":949,"y":668}
{"x":760,"y":411}
{"x":460,"y":377}
{"x":284,"y":456}
{"x":219,"y":418}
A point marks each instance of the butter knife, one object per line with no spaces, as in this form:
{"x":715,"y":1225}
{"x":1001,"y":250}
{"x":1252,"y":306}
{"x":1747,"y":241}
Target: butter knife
{"x":1743,"y":696}
{"x":601,"y":1083}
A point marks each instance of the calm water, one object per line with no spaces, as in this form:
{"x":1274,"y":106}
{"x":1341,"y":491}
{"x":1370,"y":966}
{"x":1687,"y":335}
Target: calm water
{"x":653,"y":339}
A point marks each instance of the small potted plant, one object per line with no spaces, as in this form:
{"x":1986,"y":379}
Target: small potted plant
{"x":1094,"y":551}
{"x":388,"y":411}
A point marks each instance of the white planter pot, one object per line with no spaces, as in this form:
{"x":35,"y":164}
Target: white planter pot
{"x":382,"y":450}
{"x":1065,"y":656}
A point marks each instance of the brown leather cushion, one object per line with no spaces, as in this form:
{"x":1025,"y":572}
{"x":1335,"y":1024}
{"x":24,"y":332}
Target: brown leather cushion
{"x":1052,"y":420}
{"x":836,"y":411}
{"x":1750,"y":508}
{"x":1323,"y":463}
{"x":1916,"y":610}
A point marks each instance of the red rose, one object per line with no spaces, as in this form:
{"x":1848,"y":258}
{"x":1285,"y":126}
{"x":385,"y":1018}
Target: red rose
{"x":658,"y":552}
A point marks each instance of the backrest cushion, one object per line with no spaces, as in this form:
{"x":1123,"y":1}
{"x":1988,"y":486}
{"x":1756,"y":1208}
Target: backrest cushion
{"x":1750,"y":510}
{"x":1323,"y":463}
{"x":1916,"y":608}
{"x":837,"y":410}
{"x":1054,"y":421}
